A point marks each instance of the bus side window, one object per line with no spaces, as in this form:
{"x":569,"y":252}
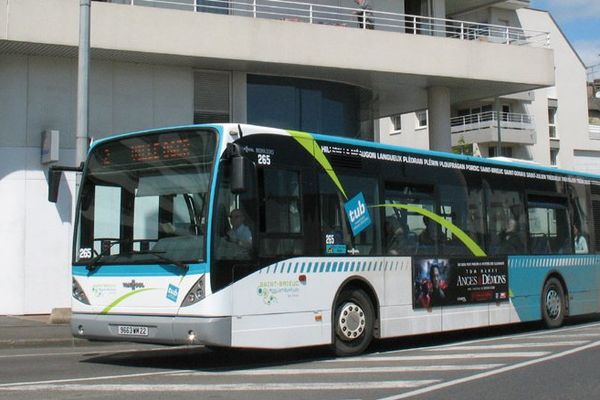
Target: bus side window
{"x":549,"y":226}
{"x":580,"y":202}
{"x":505,"y":220}
{"x":280,"y":213}
{"x":408,"y":232}
{"x":463,"y":207}
{"x":337,"y":237}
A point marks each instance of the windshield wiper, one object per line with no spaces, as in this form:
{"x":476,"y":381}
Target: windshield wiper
{"x":94,"y":262}
{"x":159,"y":255}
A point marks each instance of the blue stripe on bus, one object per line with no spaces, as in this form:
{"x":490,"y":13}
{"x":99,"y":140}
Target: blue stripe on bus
{"x":527,"y":275}
{"x":138,"y":270}
{"x":302,"y":267}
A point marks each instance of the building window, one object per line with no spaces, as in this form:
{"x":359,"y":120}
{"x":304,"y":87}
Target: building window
{"x":552,"y":122}
{"x":211,"y":97}
{"x":554,"y":157}
{"x":421,"y":117}
{"x":397,"y":123}
{"x":307,"y":105}
{"x":506,"y":152}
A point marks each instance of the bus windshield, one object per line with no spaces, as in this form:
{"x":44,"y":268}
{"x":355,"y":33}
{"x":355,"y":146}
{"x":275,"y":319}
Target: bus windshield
{"x":144,"y":199}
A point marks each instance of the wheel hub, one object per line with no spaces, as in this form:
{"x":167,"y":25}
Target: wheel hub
{"x":351,"y":322}
{"x":553,"y":303}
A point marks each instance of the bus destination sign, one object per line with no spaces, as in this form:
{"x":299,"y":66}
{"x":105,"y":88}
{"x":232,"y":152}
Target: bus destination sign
{"x":151,"y":149}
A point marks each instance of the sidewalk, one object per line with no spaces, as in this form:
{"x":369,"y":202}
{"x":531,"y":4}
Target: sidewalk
{"x":35,"y":331}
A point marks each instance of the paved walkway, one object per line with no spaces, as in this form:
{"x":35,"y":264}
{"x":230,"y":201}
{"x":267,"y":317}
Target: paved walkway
{"x":35,"y":331}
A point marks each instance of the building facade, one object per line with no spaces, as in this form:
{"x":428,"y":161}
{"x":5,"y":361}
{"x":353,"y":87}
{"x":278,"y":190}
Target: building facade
{"x":314,"y":65}
{"x":547,"y":125}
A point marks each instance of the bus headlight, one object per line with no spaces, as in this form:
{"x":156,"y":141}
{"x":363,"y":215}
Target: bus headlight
{"x":195,"y":294}
{"x":78,"y":293}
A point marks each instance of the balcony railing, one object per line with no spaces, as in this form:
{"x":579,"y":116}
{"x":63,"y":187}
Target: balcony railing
{"x":595,"y":132}
{"x":489,"y":119}
{"x":593,"y":73}
{"x":358,"y":18}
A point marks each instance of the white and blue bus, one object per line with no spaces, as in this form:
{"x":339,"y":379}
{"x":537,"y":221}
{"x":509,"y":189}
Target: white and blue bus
{"x":244,"y":236}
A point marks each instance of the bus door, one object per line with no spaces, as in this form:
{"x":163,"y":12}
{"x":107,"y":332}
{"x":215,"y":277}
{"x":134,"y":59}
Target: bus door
{"x":408,"y":232}
{"x":234,"y":244}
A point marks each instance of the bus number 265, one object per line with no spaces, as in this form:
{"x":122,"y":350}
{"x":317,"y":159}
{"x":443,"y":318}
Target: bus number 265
{"x":264,"y":159}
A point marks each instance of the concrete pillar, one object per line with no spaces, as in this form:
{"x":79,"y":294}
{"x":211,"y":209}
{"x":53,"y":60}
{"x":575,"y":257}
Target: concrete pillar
{"x":438,"y":99}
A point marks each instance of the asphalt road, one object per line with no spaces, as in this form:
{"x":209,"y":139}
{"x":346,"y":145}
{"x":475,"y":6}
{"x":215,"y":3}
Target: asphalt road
{"x":522,"y":362}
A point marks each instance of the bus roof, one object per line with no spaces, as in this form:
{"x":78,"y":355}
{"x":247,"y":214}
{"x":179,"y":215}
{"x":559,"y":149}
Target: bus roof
{"x":246,"y":129}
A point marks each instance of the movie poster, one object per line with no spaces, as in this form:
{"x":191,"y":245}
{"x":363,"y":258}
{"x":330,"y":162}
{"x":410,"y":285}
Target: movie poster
{"x":455,"y":281}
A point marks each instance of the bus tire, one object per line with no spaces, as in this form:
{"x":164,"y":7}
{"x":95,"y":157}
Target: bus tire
{"x":353,"y":322}
{"x":554,"y":306}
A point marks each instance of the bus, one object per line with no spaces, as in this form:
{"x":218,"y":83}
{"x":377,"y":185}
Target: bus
{"x":243,"y":236}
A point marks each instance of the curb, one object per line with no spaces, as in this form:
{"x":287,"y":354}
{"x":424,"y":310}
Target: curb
{"x":60,"y":316}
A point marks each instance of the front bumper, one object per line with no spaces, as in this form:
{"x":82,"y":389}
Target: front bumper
{"x":215,"y":331}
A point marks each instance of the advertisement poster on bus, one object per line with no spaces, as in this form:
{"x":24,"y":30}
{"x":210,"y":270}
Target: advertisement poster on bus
{"x":455,"y":281}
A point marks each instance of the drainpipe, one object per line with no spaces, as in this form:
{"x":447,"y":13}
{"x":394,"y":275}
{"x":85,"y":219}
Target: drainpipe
{"x":83,"y":92}
{"x":499,"y":126}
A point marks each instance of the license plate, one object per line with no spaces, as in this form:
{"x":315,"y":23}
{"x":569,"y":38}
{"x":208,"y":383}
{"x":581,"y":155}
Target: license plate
{"x":128,"y":330}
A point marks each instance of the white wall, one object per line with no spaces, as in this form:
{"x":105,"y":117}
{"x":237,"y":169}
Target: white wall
{"x":570,"y":91}
{"x":38,"y":93}
{"x":409,"y":135}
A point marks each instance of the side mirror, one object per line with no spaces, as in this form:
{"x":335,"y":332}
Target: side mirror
{"x":54,"y":176}
{"x":239,"y":174}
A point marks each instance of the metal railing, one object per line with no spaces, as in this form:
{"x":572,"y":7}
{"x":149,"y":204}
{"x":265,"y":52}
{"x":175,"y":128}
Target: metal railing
{"x":358,"y":18}
{"x":594,"y":132}
{"x":489,"y":119}
{"x":593,"y":73}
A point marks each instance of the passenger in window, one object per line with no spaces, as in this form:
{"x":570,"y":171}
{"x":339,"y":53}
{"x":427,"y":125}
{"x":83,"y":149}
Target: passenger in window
{"x":428,"y":236}
{"x":240,"y":233}
{"x":396,"y":237}
{"x":510,"y":240}
{"x":581,"y":246}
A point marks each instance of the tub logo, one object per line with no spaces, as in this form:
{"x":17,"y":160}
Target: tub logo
{"x":358,"y":214}
{"x":172,"y":292}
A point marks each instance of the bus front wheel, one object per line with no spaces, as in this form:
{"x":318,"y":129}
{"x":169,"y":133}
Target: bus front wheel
{"x":553,"y":303}
{"x":353,"y":322}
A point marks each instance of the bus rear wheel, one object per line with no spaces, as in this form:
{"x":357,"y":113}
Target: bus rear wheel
{"x":554,"y":307}
{"x":353,"y":322}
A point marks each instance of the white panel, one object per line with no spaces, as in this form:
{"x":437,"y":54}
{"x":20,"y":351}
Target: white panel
{"x":51,"y":94}
{"x":102,"y":291}
{"x":12,"y":240}
{"x":13,"y":165}
{"x":282,"y":330}
{"x":47,"y":251}
{"x":462,"y":317}
{"x":500,"y":313}
{"x":101,"y":99}
{"x":3,"y":19}
{"x":173,"y":96}
{"x":132,"y":97}
{"x":398,"y":283}
{"x":13,"y":100}
{"x":587,"y":161}
{"x":403,"y":320}
{"x":214,"y":305}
